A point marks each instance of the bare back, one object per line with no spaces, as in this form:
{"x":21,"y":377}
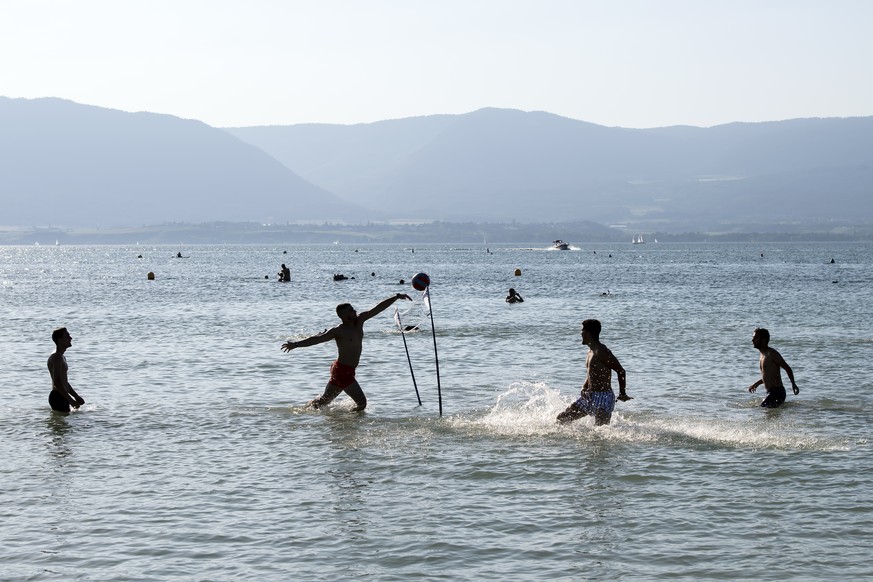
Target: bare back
{"x":57,"y":367}
{"x":599,"y":372}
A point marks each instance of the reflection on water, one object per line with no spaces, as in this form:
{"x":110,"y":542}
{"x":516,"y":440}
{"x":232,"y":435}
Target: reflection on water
{"x":58,"y":432}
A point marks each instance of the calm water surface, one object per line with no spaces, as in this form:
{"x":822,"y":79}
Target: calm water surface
{"x":193,"y":458}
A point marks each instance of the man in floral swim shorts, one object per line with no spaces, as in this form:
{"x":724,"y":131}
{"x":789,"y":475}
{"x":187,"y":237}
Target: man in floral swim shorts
{"x":597,"y":398}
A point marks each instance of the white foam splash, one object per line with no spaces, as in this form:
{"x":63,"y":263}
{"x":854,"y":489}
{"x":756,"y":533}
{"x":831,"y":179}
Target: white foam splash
{"x":530,"y":409}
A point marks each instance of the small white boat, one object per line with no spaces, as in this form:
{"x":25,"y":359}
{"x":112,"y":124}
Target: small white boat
{"x":560,"y":245}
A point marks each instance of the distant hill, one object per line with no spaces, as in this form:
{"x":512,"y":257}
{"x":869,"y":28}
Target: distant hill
{"x":67,"y":164}
{"x":496,"y":164}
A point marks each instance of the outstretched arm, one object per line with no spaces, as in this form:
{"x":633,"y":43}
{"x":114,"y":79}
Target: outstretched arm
{"x":318,"y":338}
{"x":381,"y":306}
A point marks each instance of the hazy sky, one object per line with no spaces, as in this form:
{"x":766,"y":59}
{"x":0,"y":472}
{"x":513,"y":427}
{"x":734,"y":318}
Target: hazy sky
{"x":629,"y":63}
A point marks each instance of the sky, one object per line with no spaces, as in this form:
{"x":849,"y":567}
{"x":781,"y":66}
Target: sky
{"x":626,"y":63}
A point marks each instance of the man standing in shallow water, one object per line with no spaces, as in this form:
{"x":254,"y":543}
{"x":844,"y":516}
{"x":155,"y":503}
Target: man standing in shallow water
{"x":771,"y":363}
{"x":597,"y":396}
{"x":349,"y":338}
{"x":62,"y":396}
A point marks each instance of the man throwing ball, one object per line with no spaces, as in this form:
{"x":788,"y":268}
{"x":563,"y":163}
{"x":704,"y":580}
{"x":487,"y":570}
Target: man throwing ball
{"x":349,"y":338}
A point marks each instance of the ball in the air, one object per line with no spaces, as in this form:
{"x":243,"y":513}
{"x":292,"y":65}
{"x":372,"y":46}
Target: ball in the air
{"x":420,"y":282}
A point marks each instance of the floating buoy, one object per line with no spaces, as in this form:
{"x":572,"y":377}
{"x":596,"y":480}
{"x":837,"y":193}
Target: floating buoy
{"x":151,"y":276}
{"x":518,"y":272}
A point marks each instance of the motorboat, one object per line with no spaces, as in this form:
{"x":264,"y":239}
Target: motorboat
{"x":560,"y":245}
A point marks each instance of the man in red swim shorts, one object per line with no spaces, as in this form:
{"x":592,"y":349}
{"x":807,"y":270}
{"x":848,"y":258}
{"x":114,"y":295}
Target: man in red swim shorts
{"x":349,"y":338}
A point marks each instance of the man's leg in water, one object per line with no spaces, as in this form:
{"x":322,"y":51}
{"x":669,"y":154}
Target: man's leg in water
{"x":573,"y":412}
{"x":330,"y":392}
{"x":602,"y":416}
{"x":354,"y":390}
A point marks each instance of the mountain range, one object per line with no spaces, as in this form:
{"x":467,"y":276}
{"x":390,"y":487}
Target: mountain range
{"x":68,"y":164}
{"x":63,"y":163}
{"x":497,"y":164}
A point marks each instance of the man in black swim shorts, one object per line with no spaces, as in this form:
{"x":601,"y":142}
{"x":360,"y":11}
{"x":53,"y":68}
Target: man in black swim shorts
{"x":772,"y":363}
{"x":62,"y":396}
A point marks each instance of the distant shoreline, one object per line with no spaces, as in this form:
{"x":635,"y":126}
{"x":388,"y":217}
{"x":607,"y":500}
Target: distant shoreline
{"x":424,"y":233}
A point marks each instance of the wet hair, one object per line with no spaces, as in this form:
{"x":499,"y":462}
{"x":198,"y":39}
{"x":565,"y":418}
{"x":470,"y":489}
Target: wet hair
{"x":342,"y":307}
{"x":592,"y":326}
{"x":763,"y":334}
{"x":56,"y":334}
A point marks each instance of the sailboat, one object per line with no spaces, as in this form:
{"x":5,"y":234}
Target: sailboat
{"x":638,"y":240}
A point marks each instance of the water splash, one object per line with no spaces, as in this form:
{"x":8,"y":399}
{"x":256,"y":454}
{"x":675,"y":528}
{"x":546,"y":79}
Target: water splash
{"x":530,"y":408}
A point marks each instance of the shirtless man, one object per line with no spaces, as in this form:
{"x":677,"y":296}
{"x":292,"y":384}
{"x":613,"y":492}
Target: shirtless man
{"x":771,"y":363}
{"x":349,"y":338}
{"x":514,"y":296}
{"x":62,"y":396}
{"x":597,"y":396}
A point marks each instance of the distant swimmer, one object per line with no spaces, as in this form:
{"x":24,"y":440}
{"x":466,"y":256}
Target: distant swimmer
{"x":772,"y":363}
{"x":349,"y":338}
{"x":62,"y":397}
{"x":514,"y":296}
{"x":597,"y":397}
{"x":284,"y":274}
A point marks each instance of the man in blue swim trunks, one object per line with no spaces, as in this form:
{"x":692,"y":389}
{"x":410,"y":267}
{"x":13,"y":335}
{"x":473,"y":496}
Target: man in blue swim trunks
{"x":597,"y":397}
{"x":772,"y":363}
{"x":349,"y":338}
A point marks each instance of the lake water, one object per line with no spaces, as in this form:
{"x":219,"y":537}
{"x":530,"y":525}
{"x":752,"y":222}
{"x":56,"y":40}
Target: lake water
{"x":194,"y":459}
